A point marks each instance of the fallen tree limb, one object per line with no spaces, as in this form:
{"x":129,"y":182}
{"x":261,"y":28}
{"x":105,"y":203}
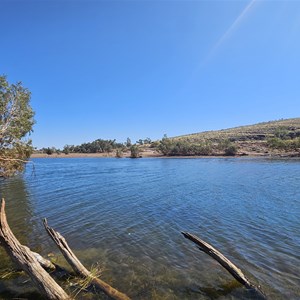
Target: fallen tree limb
{"x":27,"y":261}
{"x":224,"y":262}
{"x":79,"y":268}
{"x":45,"y":263}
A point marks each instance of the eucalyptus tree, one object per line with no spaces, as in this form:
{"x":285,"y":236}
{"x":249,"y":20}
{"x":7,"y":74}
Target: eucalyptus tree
{"x":16,"y":122}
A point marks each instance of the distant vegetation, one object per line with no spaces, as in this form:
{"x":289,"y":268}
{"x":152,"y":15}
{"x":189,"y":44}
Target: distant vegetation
{"x":97,"y":146}
{"x":134,"y":151}
{"x":183,"y":147}
{"x":102,"y":146}
{"x":280,"y":137}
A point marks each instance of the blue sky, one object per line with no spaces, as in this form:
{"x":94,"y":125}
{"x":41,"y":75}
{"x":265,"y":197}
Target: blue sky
{"x":118,"y":69}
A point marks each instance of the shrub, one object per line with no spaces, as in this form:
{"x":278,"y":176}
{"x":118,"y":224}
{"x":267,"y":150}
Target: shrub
{"x":119,"y":153}
{"x":231,"y":150}
{"x":134,"y":151}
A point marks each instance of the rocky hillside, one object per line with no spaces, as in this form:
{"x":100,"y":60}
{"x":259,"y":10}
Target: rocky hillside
{"x":280,"y":137}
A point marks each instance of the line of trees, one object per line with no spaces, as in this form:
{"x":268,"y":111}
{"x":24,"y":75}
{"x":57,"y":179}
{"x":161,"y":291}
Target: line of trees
{"x":173,"y":147}
{"x":166,"y":146}
{"x":101,"y":146}
{"x":97,"y":146}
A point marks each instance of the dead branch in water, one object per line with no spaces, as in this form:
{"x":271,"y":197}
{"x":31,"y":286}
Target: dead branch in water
{"x":45,"y":263}
{"x":224,"y":262}
{"x":28,"y":262}
{"x":79,"y":268}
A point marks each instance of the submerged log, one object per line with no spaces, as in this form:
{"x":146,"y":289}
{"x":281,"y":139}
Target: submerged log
{"x":78,"y":268}
{"x":27,"y":261}
{"x":224,"y":262}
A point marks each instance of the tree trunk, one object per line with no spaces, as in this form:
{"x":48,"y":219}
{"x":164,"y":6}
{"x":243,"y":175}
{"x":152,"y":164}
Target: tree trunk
{"x":24,"y":258}
{"x":79,"y":268}
{"x":224,"y":262}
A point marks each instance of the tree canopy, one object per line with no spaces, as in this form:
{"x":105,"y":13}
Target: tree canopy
{"x":16,"y":121}
{"x":97,"y":146}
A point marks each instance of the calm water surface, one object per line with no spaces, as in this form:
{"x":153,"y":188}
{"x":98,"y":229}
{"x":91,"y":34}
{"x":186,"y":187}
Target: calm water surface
{"x":127,"y":215}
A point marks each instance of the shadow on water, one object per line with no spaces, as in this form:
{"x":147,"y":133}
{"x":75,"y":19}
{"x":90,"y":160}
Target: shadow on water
{"x":18,"y":209}
{"x":19,"y":215}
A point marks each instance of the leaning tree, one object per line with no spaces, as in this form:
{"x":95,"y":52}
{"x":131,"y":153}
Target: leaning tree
{"x":16,"y":121}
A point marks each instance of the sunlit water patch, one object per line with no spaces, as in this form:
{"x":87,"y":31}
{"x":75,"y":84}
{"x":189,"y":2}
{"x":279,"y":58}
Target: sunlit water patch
{"x":127,"y":215}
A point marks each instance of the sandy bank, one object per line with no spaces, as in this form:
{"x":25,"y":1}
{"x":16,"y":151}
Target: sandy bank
{"x":152,"y":153}
{"x":148,"y":153}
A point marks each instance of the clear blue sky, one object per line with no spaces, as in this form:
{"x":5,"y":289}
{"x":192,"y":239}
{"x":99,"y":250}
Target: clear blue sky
{"x":118,"y":69}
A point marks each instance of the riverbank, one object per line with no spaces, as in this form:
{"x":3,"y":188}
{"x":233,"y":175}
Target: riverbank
{"x":154,"y":154}
{"x":146,"y":153}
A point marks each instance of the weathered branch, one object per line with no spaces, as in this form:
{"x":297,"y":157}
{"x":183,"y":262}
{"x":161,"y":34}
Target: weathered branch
{"x":45,"y":263}
{"x":224,"y":261}
{"x":27,"y":261}
{"x":13,"y":159}
{"x":79,"y":268}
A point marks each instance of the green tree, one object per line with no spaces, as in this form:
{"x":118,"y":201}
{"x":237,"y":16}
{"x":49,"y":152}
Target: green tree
{"x":134,"y":151}
{"x":147,"y":141}
{"x":66,"y":149}
{"x":16,"y":121}
{"x":229,"y":148}
{"x":128,"y":142}
{"x":119,"y":153}
{"x":49,"y":150}
{"x":165,"y":145}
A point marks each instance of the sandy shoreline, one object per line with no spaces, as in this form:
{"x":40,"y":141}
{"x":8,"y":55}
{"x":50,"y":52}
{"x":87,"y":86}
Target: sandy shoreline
{"x":154,"y":154}
{"x":91,"y":155}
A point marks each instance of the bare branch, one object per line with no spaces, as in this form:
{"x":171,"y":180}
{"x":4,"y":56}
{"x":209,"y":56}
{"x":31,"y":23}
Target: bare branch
{"x":24,"y":258}
{"x":78,"y":267}
{"x":224,"y":262}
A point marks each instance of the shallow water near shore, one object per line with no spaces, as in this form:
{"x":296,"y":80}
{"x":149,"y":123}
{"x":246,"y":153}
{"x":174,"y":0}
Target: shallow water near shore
{"x":127,"y":215}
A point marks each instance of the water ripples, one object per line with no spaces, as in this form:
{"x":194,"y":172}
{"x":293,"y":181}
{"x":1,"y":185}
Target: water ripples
{"x":128,"y":215}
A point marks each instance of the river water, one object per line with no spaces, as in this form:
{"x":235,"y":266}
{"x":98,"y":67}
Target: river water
{"x":126,"y":215}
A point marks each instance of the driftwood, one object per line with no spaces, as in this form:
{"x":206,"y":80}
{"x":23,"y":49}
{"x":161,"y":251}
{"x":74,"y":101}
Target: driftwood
{"x":45,"y":263}
{"x":78,"y":268}
{"x":34,"y":264}
{"x":27,"y":261}
{"x":225,"y":262}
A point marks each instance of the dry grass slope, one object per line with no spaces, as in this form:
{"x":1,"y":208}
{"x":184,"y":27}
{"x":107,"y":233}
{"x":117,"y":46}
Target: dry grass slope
{"x":250,"y":139}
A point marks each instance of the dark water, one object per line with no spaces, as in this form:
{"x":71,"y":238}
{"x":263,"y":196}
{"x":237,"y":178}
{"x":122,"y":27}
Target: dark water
{"x":127,"y":215}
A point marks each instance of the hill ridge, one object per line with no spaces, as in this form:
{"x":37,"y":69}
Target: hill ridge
{"x":276,"y":123}
{"x":280,"y":137}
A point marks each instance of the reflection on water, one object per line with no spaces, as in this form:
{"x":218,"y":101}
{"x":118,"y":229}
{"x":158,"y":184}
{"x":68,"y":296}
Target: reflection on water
{"x":18,"y":207}
{"x":20,"y":218}
{"x":127,"y":215}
